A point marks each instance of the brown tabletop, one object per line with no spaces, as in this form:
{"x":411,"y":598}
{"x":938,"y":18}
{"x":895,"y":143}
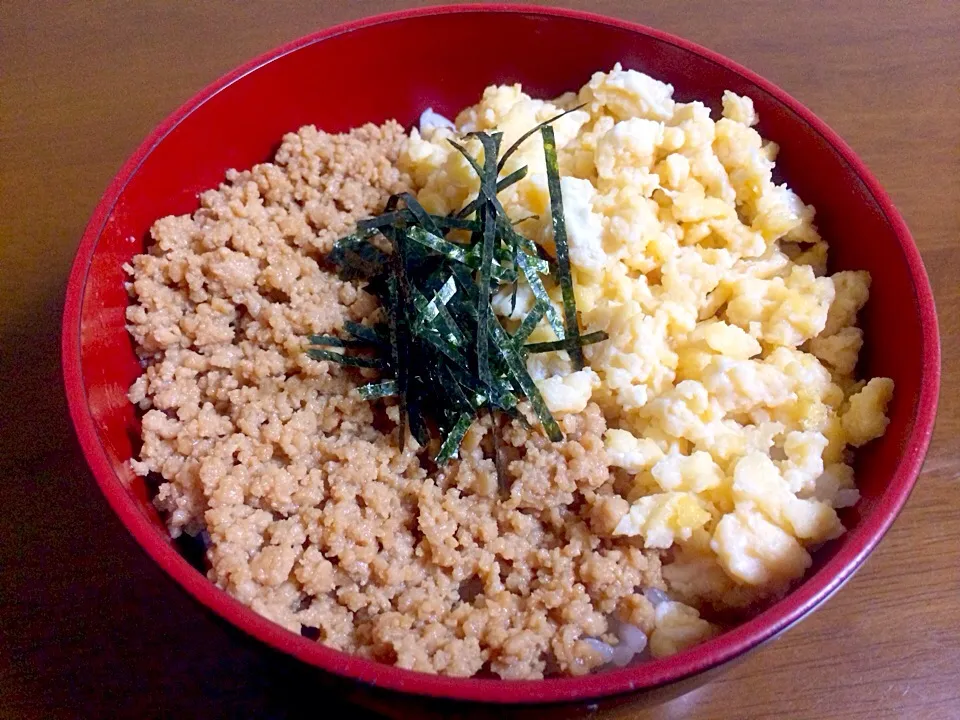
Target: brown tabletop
{"x":91,"y":628}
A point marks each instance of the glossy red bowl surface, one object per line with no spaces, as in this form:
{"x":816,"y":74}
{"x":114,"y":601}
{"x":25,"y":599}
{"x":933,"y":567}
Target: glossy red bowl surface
{"x":393,"y":66}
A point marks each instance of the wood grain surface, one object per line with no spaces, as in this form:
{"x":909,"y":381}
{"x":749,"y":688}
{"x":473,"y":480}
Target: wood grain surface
{"x":90,"y":628}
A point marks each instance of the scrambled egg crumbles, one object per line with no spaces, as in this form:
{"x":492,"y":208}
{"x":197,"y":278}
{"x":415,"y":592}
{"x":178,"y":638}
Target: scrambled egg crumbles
{"x":707,"y":441}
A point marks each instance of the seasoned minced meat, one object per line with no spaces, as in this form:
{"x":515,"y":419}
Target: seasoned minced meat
{"x":316,"y":517}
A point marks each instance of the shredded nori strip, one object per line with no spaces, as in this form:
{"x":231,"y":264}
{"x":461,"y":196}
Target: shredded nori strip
{"x":435,"y":325}
{"x":421,"y":215}
{"x":371,"y":335}
{"x":498,"y":393}
{"x":568,"y":344}
{"x":368,"y":226}
{"x":522,"y":378}
{"x":357,"y":258}
{"x":442,"y":352}
{"x":502,"y":184}
{"x":470,"y":159}
{"x":488,"y":222}
{"x":383,"y":219}
{"x":530,"y":323}
{"x":370,"y":391}
{"x":487,"y":191}
{"x":453,"y":223}
{"x":398,"y":341}
{"x":540,"y":293}
{"x":529,"y":246}
{"x":463,"y":396}
{"x":570,"y":322}
{"x":438,"y":301}
{"x":353,"y":360}
{"x":451,"y":443}
{"x":438,"y":244}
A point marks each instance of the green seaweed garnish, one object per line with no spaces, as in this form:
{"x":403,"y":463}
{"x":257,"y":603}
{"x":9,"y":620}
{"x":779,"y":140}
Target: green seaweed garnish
{"x":370,"y":391}
{"x":368,"y":226}
{"x":520,"y":375}
{"x":540,"y":293}
{"x":376,"y":335}
{"x":356,"y":257}
{"x":344,"y":359}
{"x":530,"y":323}
{"x":569,"y":344}
{"x":511,"y":179}
{"x":451,"y":443}
{"x":488,"y":224}
{"x":441,"y":245}
{"x":442,"y":352}
{"x":419,"y":214}
{"x":571,"y":325}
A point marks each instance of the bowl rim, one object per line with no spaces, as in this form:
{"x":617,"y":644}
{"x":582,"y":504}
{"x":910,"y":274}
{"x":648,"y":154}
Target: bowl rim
{"x":776,"y":619}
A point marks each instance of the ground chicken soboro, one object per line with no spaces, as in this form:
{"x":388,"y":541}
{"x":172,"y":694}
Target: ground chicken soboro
{"x":316,"y":519}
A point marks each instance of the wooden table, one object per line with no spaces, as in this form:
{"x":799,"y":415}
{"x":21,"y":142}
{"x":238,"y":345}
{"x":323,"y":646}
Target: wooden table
{"x":90,"y":628}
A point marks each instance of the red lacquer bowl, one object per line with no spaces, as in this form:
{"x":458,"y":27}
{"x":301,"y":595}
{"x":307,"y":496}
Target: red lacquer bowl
{"x":350,"y":74}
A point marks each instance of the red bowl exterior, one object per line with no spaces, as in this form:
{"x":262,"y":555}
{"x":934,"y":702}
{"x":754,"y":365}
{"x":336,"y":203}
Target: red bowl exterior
{"x":335,"y":78}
